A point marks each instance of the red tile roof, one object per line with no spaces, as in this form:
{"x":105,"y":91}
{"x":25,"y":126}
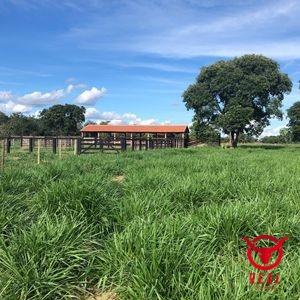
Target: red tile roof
{"x":136,"y":128}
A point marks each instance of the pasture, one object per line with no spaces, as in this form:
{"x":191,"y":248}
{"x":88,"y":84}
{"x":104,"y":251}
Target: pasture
{"x":162,"y":224}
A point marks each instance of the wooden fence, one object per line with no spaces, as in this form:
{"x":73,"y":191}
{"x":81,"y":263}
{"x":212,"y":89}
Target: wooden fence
{"x":87,"y":145}
{"x":122,"y":144}
{"x":29,"y":143}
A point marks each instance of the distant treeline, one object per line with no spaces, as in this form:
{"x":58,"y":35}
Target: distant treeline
{"x":58,"y":119}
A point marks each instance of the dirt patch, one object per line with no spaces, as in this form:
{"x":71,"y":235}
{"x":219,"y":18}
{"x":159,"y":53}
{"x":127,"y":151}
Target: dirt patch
{"x":14,"y":158}
{"x":119,"y":178}
{"x":104,"y":296}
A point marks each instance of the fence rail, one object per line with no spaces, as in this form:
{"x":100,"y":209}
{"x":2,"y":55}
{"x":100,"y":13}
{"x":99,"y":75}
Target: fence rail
{"x":29,"y":143}
{"x":122,"y":144}
{"x":86,"y":145}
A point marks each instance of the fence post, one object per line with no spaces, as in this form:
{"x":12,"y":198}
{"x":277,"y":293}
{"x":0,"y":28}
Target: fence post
{"x":140,"y":143}
{"x":39,"y":152}
{"x":78,"y":146}
{"x":8,"y":144}
{"x":59,"y":148}
{"x":132,"y":143}
{"x":3,"y":155}
{"x":54,"y":145}
{"x":186,"y":141}
{"x":146,"y":143}
{"x":75,"y":147}
{"x":31,"y":144}
{"x":123,"y":143}
{"x":151,"y":144}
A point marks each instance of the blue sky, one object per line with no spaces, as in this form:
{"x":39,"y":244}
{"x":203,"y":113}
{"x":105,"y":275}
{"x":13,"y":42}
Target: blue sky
{"x":129,"y":61}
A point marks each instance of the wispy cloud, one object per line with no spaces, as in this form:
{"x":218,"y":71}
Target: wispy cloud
{"x":159,"y":67}
{"x":163,"y":80}
{"x":37,"y":4}
{"x":196,"y":28}
{"x":6,"y":83}
{"x":16,"y":72}
{"x":258,"y":30}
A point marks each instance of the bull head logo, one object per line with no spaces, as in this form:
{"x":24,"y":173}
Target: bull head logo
{"x":265,"y":254}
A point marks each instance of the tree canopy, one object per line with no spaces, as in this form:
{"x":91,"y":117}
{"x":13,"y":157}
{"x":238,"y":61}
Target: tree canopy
{"x":294,"y":123}
{"x":238,"y":96}
{"x":63,"y":119}
{"x":19,"y":124}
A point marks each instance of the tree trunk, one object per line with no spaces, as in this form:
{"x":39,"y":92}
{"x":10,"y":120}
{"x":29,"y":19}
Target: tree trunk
{"x":233,"y":139}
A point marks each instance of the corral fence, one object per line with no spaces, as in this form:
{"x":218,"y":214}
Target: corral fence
{"x":81,"y":145}
{"x":44,"y":148}
{"x":30,"y":143}
{"x":122,"y":144}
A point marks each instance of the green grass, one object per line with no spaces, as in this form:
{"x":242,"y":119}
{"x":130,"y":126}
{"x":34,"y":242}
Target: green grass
{"x":171,"y":229}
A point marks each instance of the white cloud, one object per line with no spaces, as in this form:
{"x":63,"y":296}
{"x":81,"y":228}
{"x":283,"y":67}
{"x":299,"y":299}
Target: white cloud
{"x":91,"y":113}
{"x":37,"y":98}
{"x":89,"y":97}
{"x":147,"y":122}
{"x":269,"y":130}
{"x":116,"y":122}
{"x":71,"y":87}
{"x":117,"y":118}
{"x":129,"y":116}
{"x":12,"y":107}
{"x":21,"y":108}
{"x":5,"y":96}
{"x":11,"y":102}
{"x":36,"y":113}
{"x":70,"y":79}
{"x":190,"y":125}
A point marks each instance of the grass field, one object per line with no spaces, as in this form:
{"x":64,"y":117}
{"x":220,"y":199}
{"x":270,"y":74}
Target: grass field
{"x":163,"y":224}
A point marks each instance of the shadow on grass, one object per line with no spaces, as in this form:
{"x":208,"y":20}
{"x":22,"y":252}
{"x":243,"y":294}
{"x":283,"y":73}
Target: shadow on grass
{"x":269,"y":146}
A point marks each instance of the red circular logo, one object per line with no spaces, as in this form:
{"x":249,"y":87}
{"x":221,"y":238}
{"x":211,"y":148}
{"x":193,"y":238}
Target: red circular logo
{"x":265,"y":254}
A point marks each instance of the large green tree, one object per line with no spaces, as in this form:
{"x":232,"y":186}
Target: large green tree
{"x":3,"y":118}
{"x":63,"y":119}
{"x":294,"y":123}
{"x":239,"y":95}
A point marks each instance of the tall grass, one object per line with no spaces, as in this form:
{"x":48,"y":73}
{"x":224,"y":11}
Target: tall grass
{"x":169,"y":229}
